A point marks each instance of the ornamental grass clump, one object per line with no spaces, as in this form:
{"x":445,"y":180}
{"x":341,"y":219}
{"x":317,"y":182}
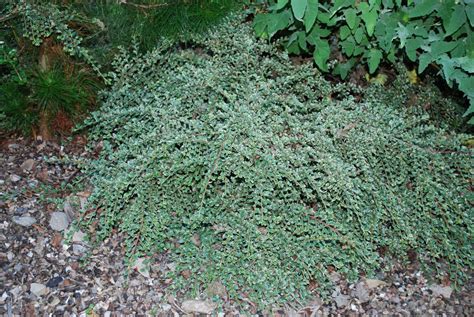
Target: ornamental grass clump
{"x":262,"y":175}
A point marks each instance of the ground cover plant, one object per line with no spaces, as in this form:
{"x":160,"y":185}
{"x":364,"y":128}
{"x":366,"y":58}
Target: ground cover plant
{"x":262,"y":175}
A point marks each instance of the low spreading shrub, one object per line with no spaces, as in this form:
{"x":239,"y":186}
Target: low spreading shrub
{"x":260,"y":174}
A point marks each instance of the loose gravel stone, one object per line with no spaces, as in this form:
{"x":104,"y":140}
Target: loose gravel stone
{"x":340,"y":299}
{"x":197,"y":306}
{"x":15,"y":178}
{"x":28,"y":165}
{"x":54,"y":282}
{"x":25,"y":221}
{"x":59,"y":221}
{"x":371,"y":283}
{"x":361,"y":292}
{"x":78,"y":236}
{"x":78,"y":249}
{"x":38,"y":289}
{"x":439,"y":290}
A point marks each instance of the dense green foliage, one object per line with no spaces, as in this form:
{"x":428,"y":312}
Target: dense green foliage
{"x":262,"y":175}
{"x":425,"y":31}
{"x":145,"y":22}
{"x":57,"y":96}
{"x":43,"y":89}
{"x":87,"y":31}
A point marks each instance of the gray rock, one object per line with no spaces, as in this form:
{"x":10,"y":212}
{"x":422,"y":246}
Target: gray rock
{"x":28,"y":165}
{"x":340,"y":299}
{"x":216,"y":288}
{"x":55,"y":302}
{"x":15,"y":291}
{"x":166,"y":307}
{"x":395,"y":299}
{"x":59,"y":221}
{"x":40,"y":245}
{"x":32,"y":183}
{"x":14,"y":178}
{"x":18,"y":267}
{"x":25,"y":221}
{"x":13,"y":146}
{"x":361,"y":292}
{"x":78,"y":236}
{"x":68,"y":209}
{"x":197,"y":306}
{"x":335,"y":277}
{"x":371,"y":283}
{"x":21,"y":210}
{"x":439,"y":290}
{"x":78,"y":249}
{"x":135,"y":282}
{"x":38,"y":289}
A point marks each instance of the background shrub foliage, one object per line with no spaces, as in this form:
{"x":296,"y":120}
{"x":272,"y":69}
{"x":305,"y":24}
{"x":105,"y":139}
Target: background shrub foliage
{"x":69,"y":45}
{"x":370,"y":32}
{"x":262,"y":175}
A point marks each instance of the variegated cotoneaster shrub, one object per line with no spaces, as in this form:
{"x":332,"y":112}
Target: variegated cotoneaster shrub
{"x":262,"y":175}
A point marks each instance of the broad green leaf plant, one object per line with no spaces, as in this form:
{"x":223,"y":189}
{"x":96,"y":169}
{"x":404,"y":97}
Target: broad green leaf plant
{"x":371,"y":32}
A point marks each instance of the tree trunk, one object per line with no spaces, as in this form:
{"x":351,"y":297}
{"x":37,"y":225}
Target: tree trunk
{"x":44,"y":64}
{"x":44,"y":129}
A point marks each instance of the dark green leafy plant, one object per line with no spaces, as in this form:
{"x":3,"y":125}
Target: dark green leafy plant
{"x":44,"y":97}
{"x":89,"y":31}
{"x":116,"y":24}
{"x":369,"y":32}
{"x":53,"y":91}
{"x":275,"y":172}
{"x":39,"y":22}
{"x":49,"y":95}
{"x":15,"y":111}
{"x":9,"y":65}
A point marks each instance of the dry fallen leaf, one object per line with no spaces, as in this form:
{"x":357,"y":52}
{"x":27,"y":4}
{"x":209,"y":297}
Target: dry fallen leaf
{"x":186,"y":274}
{"x":43,"y":175}
{"x":56,"y":240}
{"x":67,"y":283}
{"x":196,"y":240}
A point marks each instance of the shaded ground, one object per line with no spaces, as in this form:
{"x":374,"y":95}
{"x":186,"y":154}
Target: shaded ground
{"x":42,"y":273}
